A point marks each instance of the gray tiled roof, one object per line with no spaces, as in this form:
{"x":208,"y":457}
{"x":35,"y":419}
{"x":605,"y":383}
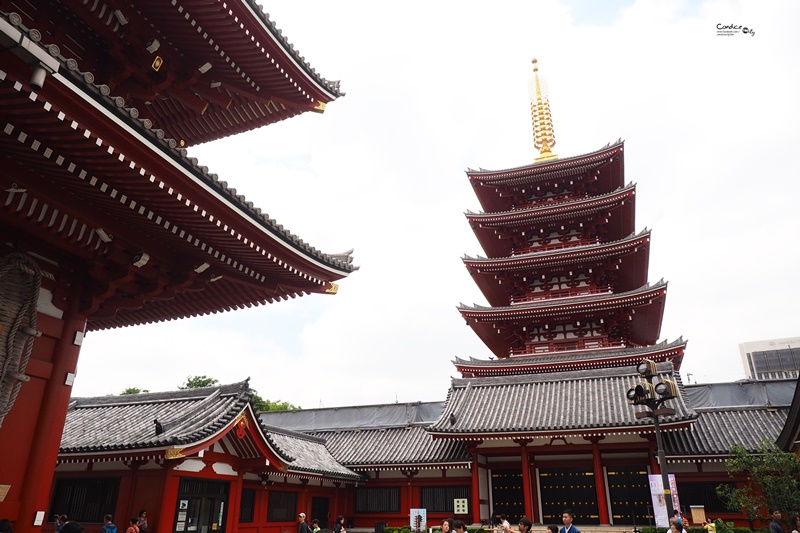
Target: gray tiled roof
{"x":568,"y":357}
{"x":126,"y":422}
{"x":410,"y":446}
{"x":582,"y":401}
{"x":306,"y":453}
{"x":380,"y":416}
{"x":717,"y":430}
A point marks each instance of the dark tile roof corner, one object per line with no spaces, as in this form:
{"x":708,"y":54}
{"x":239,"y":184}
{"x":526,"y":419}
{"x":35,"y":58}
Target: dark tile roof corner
{"x":306,"y":453}
{"x":126,"y":422}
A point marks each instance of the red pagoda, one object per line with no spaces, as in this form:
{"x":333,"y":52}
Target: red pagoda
{"x":105,"y":219}
{"x":570,"y":314}
{"x":566,"y":271}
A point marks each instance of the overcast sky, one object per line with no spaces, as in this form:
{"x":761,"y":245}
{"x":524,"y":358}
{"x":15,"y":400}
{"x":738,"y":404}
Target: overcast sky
{"x":711,"y":125}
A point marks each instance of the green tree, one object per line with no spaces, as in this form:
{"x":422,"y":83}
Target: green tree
{"x":133,"y":390}
{"x":198,"y":382}
{"x":260,"y":404}
{"x":772,"y":481}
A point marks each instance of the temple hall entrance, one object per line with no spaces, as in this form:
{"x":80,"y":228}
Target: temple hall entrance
{"x":507,"y":494}
{"x":629,"y":493}
{"x":568,"y":488}
{"x":202,"y":506}
{"x":319,"y":510}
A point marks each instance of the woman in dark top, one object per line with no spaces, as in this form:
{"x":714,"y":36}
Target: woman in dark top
{"x":338,"y":527}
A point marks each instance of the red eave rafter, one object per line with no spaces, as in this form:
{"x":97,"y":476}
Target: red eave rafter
{"x":588,"y":432}
{"x":567,"y":306}
{"x":531,"y":367}
{"x":125,"y":180}
{"x":552,"y":212}
{"x":560,"y":257}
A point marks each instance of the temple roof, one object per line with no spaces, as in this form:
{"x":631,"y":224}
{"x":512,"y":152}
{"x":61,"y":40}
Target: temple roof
{"x":191,"y":419}
{"x":582,"y":402}
{"x":572,"y":360}
{"x":410,"y":446}
{"x":307,"y":453}
{"x":495,"y":189}
{"x":717,"y":430}
{"x":125,"y":422}
{"x":80,"y":162}
{"x":199,"y":71}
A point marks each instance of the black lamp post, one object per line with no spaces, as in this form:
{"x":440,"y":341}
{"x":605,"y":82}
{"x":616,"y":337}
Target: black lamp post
{"x":653,"y":397}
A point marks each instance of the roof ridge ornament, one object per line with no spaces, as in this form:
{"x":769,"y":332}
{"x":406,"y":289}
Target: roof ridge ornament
{"x":544,"y":138}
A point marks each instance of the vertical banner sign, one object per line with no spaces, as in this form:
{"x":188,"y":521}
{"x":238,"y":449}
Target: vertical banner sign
{"x":659,"y":503}
{"x":419,"y":519}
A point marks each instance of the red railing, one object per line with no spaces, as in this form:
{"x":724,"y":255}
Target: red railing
{"x":572,"y":345}
{"x":561,"y":293}
{"x":554,"y":246}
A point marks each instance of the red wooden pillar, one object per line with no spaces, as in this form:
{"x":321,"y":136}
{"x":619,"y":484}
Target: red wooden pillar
{"x":526,"y":476}
{"x":476,"y":488}
{"x":599,"y":481}
{"x":535,"y":518}
{"x":169,"y":500}
{"x":43,"y":454}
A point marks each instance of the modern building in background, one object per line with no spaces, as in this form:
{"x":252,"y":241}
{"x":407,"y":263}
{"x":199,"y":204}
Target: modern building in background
{"x":771,"y":359}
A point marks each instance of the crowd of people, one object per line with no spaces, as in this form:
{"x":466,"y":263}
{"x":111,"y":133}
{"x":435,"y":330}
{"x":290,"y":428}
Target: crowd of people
{"x":525,"y":525}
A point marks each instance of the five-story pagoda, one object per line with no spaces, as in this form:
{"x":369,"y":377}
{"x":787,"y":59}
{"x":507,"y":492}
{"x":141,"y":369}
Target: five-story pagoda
{"x":570,"y":315}
{"x":566,"y":271}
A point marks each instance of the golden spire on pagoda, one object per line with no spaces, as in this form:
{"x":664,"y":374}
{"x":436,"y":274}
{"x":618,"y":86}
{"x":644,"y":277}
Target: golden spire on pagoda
{"x":544,"y":138}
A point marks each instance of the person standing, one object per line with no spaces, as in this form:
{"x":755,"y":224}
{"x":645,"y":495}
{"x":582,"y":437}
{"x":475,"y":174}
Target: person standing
{"x":459,"y":527}
{"x":447,"y":525}
{"x":302,"y":527}
{"x":567,"y":517}
{"x":676,"y":518}
{"x":525,"y":525}
{"x":775,"y":526}
{"x":108,"y":525}
{"x":504,"y":525}
{"x":142,"y":523}
{"x":133,"y":525}
{"x":315,"y":525}
{"x":552,"y":528}
{"x":338,"y":527}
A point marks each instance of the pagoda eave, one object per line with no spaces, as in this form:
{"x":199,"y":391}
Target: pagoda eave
{"x":498,"y":278}
{"x":496,"y":189}
{"x":580,"y":360}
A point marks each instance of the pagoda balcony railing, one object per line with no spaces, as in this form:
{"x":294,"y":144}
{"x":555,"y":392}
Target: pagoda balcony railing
{"x":561,"y":293}
{"x":549,"y":200}
{"x":554,"y":246}
{"x":574,"y":345}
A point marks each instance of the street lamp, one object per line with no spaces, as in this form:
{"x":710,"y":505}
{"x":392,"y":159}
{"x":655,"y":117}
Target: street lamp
{"x":653,"y":397}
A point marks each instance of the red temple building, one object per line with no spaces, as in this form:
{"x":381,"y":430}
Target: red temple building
{"x":540,"y":425}
{"x":105,"y":219}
